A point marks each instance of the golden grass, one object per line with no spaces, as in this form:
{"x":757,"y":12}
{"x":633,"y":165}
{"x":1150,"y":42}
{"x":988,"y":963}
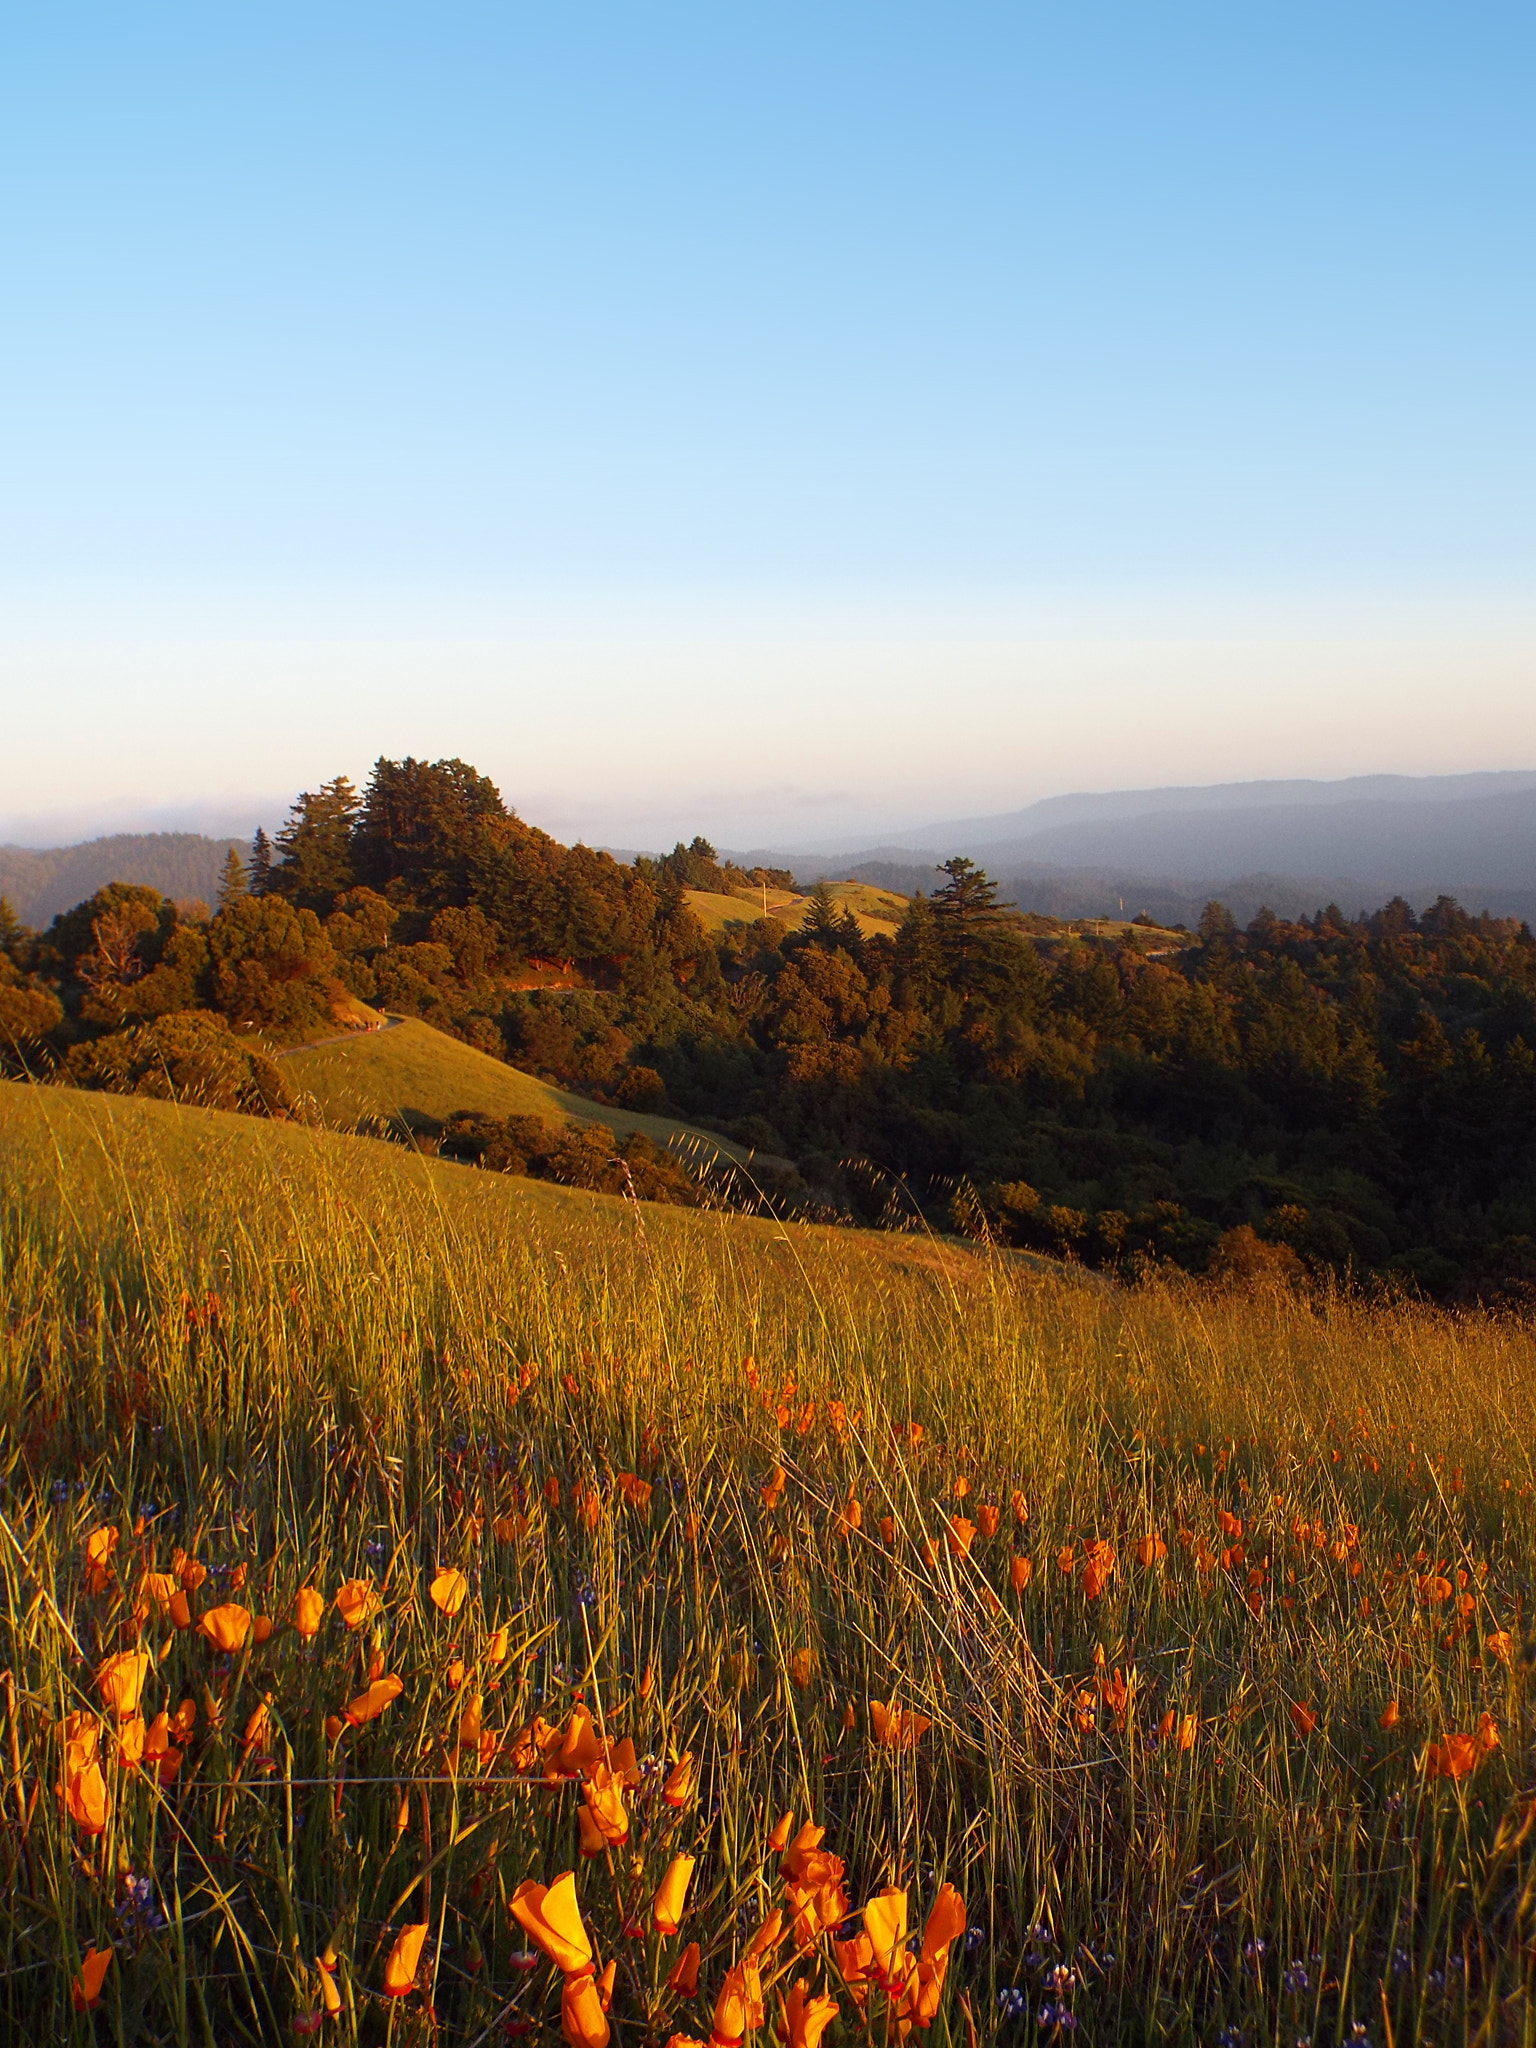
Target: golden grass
{"x":316,"y":1358}
{"x":412,"y":1077}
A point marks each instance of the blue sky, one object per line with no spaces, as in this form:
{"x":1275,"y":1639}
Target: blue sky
{"x":769,"y":419}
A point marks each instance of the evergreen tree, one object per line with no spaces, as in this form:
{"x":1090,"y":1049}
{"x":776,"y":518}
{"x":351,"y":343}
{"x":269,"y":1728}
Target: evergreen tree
{"x":919,"y":957}
{"x":232,"y":879}
{"x":823,"y":921}
{"x":976,"y":941}
{"x":259,"y":875}
{"x":315,"y":847}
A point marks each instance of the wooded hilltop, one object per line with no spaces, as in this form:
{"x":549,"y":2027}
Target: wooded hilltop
{"x":1325,"y":1096}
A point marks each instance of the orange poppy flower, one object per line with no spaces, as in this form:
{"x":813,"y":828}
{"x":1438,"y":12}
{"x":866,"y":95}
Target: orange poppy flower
{"x":802,"y":1666}
{"x":1098,"y":1566}
{"x":551,"y":1919}
{"x":1303,"y":1719}
{"x":683,"y":1977}
{"x":403,"y":1960}
{"x":153,"y":1594}
{"x":1151,"y":1550}
{"x":1020,"y":1508}
{"x":897,"y":1727}
{"x":671,"y":1893}
{"x":100,"y":1549}
{"x":308,"y":1612}
{"x":783,"y":1828}
{"x":1459,"y":1755}
{"x":226,"y":1627}
{"x":496,"y":1649}
{"x":85,"y":1992}
{"x":582,"y":2019}
{"x":960,"y":1535}
{"x":87,"y":1800}
{"x":1500,"y":1644}
{"x":1020,"y":1571}
{"x":677,"y":1789}
{"x":805,"y":2019}
{"x":450,"y":1589}
{"x":1389,"y":1716}
{"x":354,"y":1602}
{"x":987,"y":1519}
{"x":131,"y":1736}
{"x":120,"y":1680}
{"x":370,"y":1704}
{"x":773,"y":1491}
{"x":945,"y":1923}
{"x":885,"y":1922}
{"x":888,"y":1532}
{"x":579,"y":1748}
{"x":729,"y":2024}
{"x":603,"y":1817}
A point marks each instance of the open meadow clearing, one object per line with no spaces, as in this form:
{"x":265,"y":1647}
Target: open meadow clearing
{"x":382,"y":1539}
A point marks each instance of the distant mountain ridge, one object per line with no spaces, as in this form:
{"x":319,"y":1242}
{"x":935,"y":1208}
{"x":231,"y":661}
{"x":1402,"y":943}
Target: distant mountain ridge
{"x":40,"y":882}
{"x":1293,"y":845}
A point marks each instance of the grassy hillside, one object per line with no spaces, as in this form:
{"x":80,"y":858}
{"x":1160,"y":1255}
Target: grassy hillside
{"x":1182,"y":1634}
{"x":415,"y":1077}
{"x":877,"y":910}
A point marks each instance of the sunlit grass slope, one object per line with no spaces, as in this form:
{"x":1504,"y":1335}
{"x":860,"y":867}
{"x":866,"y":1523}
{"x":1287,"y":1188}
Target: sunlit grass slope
{"x":414,"y":1077}
{"x":1182,"y":1634}
{"x":878,"y":911}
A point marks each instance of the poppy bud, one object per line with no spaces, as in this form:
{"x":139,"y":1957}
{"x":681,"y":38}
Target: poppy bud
{"x":667,"y":1907}
{"x":678,"y":1788}
{"x":683,"y":1977}
{"x":403,"y":1960}
{"x":308,"y":1612}
{"x":582,"y":2019}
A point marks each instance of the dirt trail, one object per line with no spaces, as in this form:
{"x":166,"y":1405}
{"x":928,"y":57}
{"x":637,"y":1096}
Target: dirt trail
{"x":338,"y":1038}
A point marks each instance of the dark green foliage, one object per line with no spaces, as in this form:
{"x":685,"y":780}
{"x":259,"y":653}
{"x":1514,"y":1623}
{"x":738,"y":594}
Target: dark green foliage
{"x":589,"y":1157}
{"x":187,"y":1056}
{"x":315,"y":852}
{"x":272,"y":965}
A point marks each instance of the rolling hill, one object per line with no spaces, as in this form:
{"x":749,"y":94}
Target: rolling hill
{"x":410,"y":1077}
{"x":40,"y":882}
{"x":878,"y":911}
{"x":97,"y":1166}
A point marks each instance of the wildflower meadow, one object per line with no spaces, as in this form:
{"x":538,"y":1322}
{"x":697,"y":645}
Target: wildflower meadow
{"x":439,"y":1609}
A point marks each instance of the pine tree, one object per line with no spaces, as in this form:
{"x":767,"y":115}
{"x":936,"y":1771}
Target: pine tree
{"x":260,"y":873}
{"x":979,"y":948}
{"x":232,"y":881}
{"x":315,"y":847}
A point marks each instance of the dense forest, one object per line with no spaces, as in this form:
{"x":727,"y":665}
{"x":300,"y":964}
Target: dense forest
{"x":1324,"y":1095}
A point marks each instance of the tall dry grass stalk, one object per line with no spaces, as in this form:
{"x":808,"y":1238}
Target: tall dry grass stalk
{"x":1163,"y":1786}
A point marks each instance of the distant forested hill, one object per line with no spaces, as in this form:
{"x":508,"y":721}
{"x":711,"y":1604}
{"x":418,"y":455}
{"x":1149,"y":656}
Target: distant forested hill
{"x":1331,"y":1094}
{"x":39,"y":882}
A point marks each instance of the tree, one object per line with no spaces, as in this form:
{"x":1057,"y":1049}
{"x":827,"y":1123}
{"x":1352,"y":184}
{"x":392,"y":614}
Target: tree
{"x":919,"y":957}
{"x":315,"y":846}
{"x":232,"y":880}
{"x":260,"y":877}
{"x":423,"y":830}
{"x":977,"y":942}
{"x":272,"y":965}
